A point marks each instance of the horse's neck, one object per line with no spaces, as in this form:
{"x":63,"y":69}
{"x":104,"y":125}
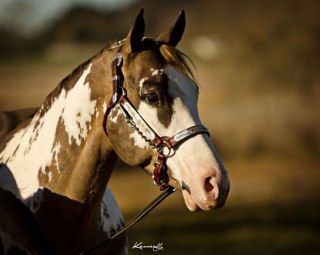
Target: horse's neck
{"x":63,"y":148}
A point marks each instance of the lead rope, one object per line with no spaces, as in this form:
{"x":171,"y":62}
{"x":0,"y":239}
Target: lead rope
{"x":135,"y":220}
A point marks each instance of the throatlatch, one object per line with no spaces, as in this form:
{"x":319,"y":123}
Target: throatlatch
{"x":135,"y":120}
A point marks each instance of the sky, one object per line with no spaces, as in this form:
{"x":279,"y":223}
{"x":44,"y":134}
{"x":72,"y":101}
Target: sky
{"x":30,"y":16}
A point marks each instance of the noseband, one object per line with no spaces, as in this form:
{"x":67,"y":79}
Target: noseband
{"x":120,"y":100}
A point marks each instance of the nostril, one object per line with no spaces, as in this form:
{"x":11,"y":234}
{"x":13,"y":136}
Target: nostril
{"x":208,"y":186}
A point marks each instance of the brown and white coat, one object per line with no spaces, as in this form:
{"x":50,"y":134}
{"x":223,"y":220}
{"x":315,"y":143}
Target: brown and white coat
{"x":58,"y":162}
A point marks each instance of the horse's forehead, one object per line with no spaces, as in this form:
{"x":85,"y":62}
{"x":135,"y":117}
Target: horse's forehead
{"x":146,"y":60}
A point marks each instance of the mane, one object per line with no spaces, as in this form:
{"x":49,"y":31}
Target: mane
{"x":172,"y":56}
{"x":66,"y":83}
{"x":176,"y":58}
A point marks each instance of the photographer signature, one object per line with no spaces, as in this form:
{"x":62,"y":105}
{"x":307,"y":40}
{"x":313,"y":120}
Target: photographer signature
{"x":155,"y":248}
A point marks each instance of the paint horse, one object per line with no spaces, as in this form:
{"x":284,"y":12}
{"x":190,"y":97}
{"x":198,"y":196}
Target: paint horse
{"x":57,"y":162}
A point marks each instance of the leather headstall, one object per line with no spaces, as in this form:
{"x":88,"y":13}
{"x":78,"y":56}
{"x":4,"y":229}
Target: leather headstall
{"x":135,"y":120}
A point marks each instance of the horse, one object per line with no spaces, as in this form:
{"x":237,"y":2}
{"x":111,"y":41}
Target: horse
{"x":135,"y":100}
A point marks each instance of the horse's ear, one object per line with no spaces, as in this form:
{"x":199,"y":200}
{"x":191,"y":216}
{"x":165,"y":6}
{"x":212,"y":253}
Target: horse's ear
{"x":173,"y":35}
{"x":135,"y":35}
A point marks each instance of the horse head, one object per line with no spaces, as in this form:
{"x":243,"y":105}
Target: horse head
{"x":163,"y":95}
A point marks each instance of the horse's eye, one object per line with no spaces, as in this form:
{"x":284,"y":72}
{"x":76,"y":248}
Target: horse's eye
{"x":153,"y":98}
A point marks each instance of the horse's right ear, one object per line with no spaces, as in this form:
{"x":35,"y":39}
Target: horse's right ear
{"x":135,"y":35}
{"x":174,"y":34}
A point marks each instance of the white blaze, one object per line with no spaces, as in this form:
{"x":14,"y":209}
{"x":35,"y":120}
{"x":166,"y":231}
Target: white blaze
{"x":33,"y":148}
{"x":185,"y":114}
{"x":184,"y":106}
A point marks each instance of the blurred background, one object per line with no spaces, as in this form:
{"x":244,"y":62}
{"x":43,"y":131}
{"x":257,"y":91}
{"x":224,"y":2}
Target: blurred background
{"x":258,"y":66}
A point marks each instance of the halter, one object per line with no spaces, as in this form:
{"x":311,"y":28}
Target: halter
{"x":135,"y":120}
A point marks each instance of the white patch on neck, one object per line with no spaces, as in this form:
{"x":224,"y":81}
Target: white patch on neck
{"x":110,"y":215}
{"x":115,"y":118}
{"x":55,"y":152}
{"x":104,"y":107}
{"x":32,"y":148}
{"x":97,"y":113}
{"x":77,"y":116}
{"x":138,"y":140}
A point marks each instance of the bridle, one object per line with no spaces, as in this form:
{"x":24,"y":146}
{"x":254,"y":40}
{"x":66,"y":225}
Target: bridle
{"x":135,"y":120}
{"x":159,"y":143}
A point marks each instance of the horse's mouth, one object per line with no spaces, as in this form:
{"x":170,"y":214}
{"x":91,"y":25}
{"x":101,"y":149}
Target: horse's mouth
{"x":197,"y":199}
{"x":195,"y":205}
{"x":191,"y":205}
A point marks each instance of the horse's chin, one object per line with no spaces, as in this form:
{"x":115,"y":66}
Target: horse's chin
{"x":189,"y":201}
{"x":191,"y":205}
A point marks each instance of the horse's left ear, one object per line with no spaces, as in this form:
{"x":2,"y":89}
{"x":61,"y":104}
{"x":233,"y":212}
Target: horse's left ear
{"x":174,"y":34}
